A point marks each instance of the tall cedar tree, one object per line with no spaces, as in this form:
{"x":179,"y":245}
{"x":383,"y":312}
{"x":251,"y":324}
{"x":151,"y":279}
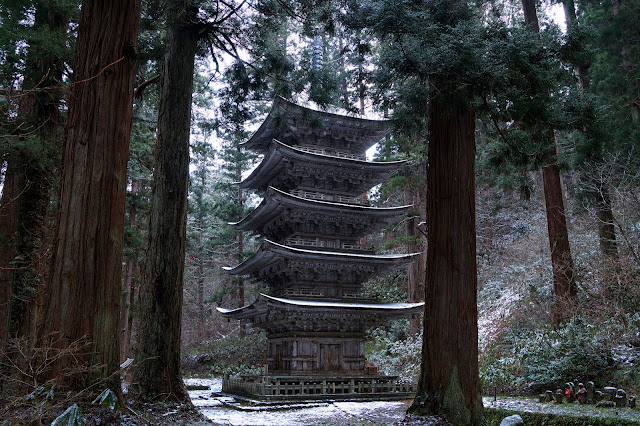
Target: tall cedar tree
{"x":564,"y":285}
{"x":83,"y":298}
{"x":417,"y":39}
{"x":158,"y":339}
{"x":600,"y":192}
{"x":29,"y":174}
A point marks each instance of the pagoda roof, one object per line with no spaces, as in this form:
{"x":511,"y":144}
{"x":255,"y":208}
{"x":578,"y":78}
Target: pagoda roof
{"x":288,"y":167}
{"x":278,"y":264}
{"x":278,"y":314}
{"x":294,"y":123}
{"x":282,"y":205}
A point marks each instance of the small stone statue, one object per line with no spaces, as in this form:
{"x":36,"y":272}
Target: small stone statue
{"x":599,"y":396}
{"x":610,"y":392}
{"x":568,"y":391}
{"x":559,"y":395}
{"x":581,"y":394}
{"x":621,"y":398}
{"x":548,"y":396}
{"x":591,"y":393}
{"x":632,"y":401}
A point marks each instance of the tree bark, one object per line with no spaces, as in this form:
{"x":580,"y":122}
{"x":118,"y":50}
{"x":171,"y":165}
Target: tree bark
{"x":126,"y":313}
{"x":83,"y":298}
{"x":449,"y":381}
{"x":416,"y":271}
{"x":28,"y":178}
{"x":158,"y":340}
{"x":564,"y":285}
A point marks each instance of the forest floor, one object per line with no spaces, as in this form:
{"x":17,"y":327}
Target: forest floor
{"x":224,"y":410}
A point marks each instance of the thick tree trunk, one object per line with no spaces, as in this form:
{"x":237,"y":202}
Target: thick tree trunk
{"x":158,"y":339}
{"x":84,"y":293}
{"x":449,"y":381}
{"x":563,"y":281}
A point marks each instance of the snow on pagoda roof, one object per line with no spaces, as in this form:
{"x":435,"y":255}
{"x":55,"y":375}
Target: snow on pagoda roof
{"x":264,"y":300}
{"x":280,"y":155}
{"x":287,"y":119}
{"x":271,"y":253}
{"x":275,"y":201}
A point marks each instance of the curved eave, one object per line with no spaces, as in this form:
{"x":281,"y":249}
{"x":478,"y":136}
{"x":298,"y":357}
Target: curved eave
{"x":274,"y":201}
{"x":270,"y":252}
{"x":265,"y":302}
{"x":272,"y":164}
{"x":261,"y":139}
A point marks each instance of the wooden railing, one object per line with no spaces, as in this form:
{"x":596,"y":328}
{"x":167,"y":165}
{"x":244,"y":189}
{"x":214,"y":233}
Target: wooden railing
{"x":318,"y":243}
{"x":329,"y":197}
{"x":292,"y":387}
{"x":331,"y":152}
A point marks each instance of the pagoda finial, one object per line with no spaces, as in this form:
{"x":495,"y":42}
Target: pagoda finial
{"x":316,"y":50}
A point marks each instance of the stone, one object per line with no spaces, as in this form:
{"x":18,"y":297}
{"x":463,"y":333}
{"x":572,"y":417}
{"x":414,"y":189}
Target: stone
{"x":599,"y":396}
{"x":621,"y":398}
{"x":632,"y":401}
{"x":606,"y":404}
{"x":591,"y":393}
{"x":610,"y":392}
{"x":541,"y":398}
{"x":514,"y":420}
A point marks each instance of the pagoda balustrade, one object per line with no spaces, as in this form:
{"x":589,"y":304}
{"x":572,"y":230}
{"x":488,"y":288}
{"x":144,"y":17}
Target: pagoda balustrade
{"x":275,"y":387}
{"x":319,"y":243}
{"x":309,"y":195}
{"x":331,"y":152}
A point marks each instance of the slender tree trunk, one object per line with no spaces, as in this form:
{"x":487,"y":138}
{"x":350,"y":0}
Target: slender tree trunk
{"x":416,"y":273}
{"x":126,"y":313}
{"x":84,"y":293}
{"x":158,"y":339}
{"x":602,"y":198}
{"x":240,"y":237}
{"x":26,"y":192}
{"x":564,"y":285}
{"x":201,"y":255}
{"x":449,"y":380}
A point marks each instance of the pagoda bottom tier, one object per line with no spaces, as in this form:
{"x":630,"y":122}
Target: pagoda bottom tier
{"x":273,"y":388}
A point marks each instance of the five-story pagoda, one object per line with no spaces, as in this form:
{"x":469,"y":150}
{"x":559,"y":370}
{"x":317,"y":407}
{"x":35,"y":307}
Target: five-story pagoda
{"x":313,"y":217}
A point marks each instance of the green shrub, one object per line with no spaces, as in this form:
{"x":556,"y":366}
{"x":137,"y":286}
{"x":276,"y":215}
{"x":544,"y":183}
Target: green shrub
{"x":231,"y":355}
{"x":493,"y":417}
{"x":544,"y":358}
{"x":394,"y":352}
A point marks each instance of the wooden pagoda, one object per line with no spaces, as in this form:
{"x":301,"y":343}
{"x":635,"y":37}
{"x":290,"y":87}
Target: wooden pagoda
{"x":313,"y":217}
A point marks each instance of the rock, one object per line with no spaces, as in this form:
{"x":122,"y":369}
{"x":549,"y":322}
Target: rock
{"x":632,"y":401}
{"x":514,"y":420}
{"x":599,"y":396}
{"x":541,"y":398}
{"x":606,"y":404}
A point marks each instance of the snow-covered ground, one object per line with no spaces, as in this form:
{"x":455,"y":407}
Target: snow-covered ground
{"x":221,"y":410}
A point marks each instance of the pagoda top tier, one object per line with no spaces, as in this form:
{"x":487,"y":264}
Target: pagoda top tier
{"x":281,"y":215}
{"x":276,"y":314}
{"x":291,"y":168}
{"x":298,"y":125}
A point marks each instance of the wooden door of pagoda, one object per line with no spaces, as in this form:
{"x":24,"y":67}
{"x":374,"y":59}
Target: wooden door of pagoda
{"x":330,"y":359}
